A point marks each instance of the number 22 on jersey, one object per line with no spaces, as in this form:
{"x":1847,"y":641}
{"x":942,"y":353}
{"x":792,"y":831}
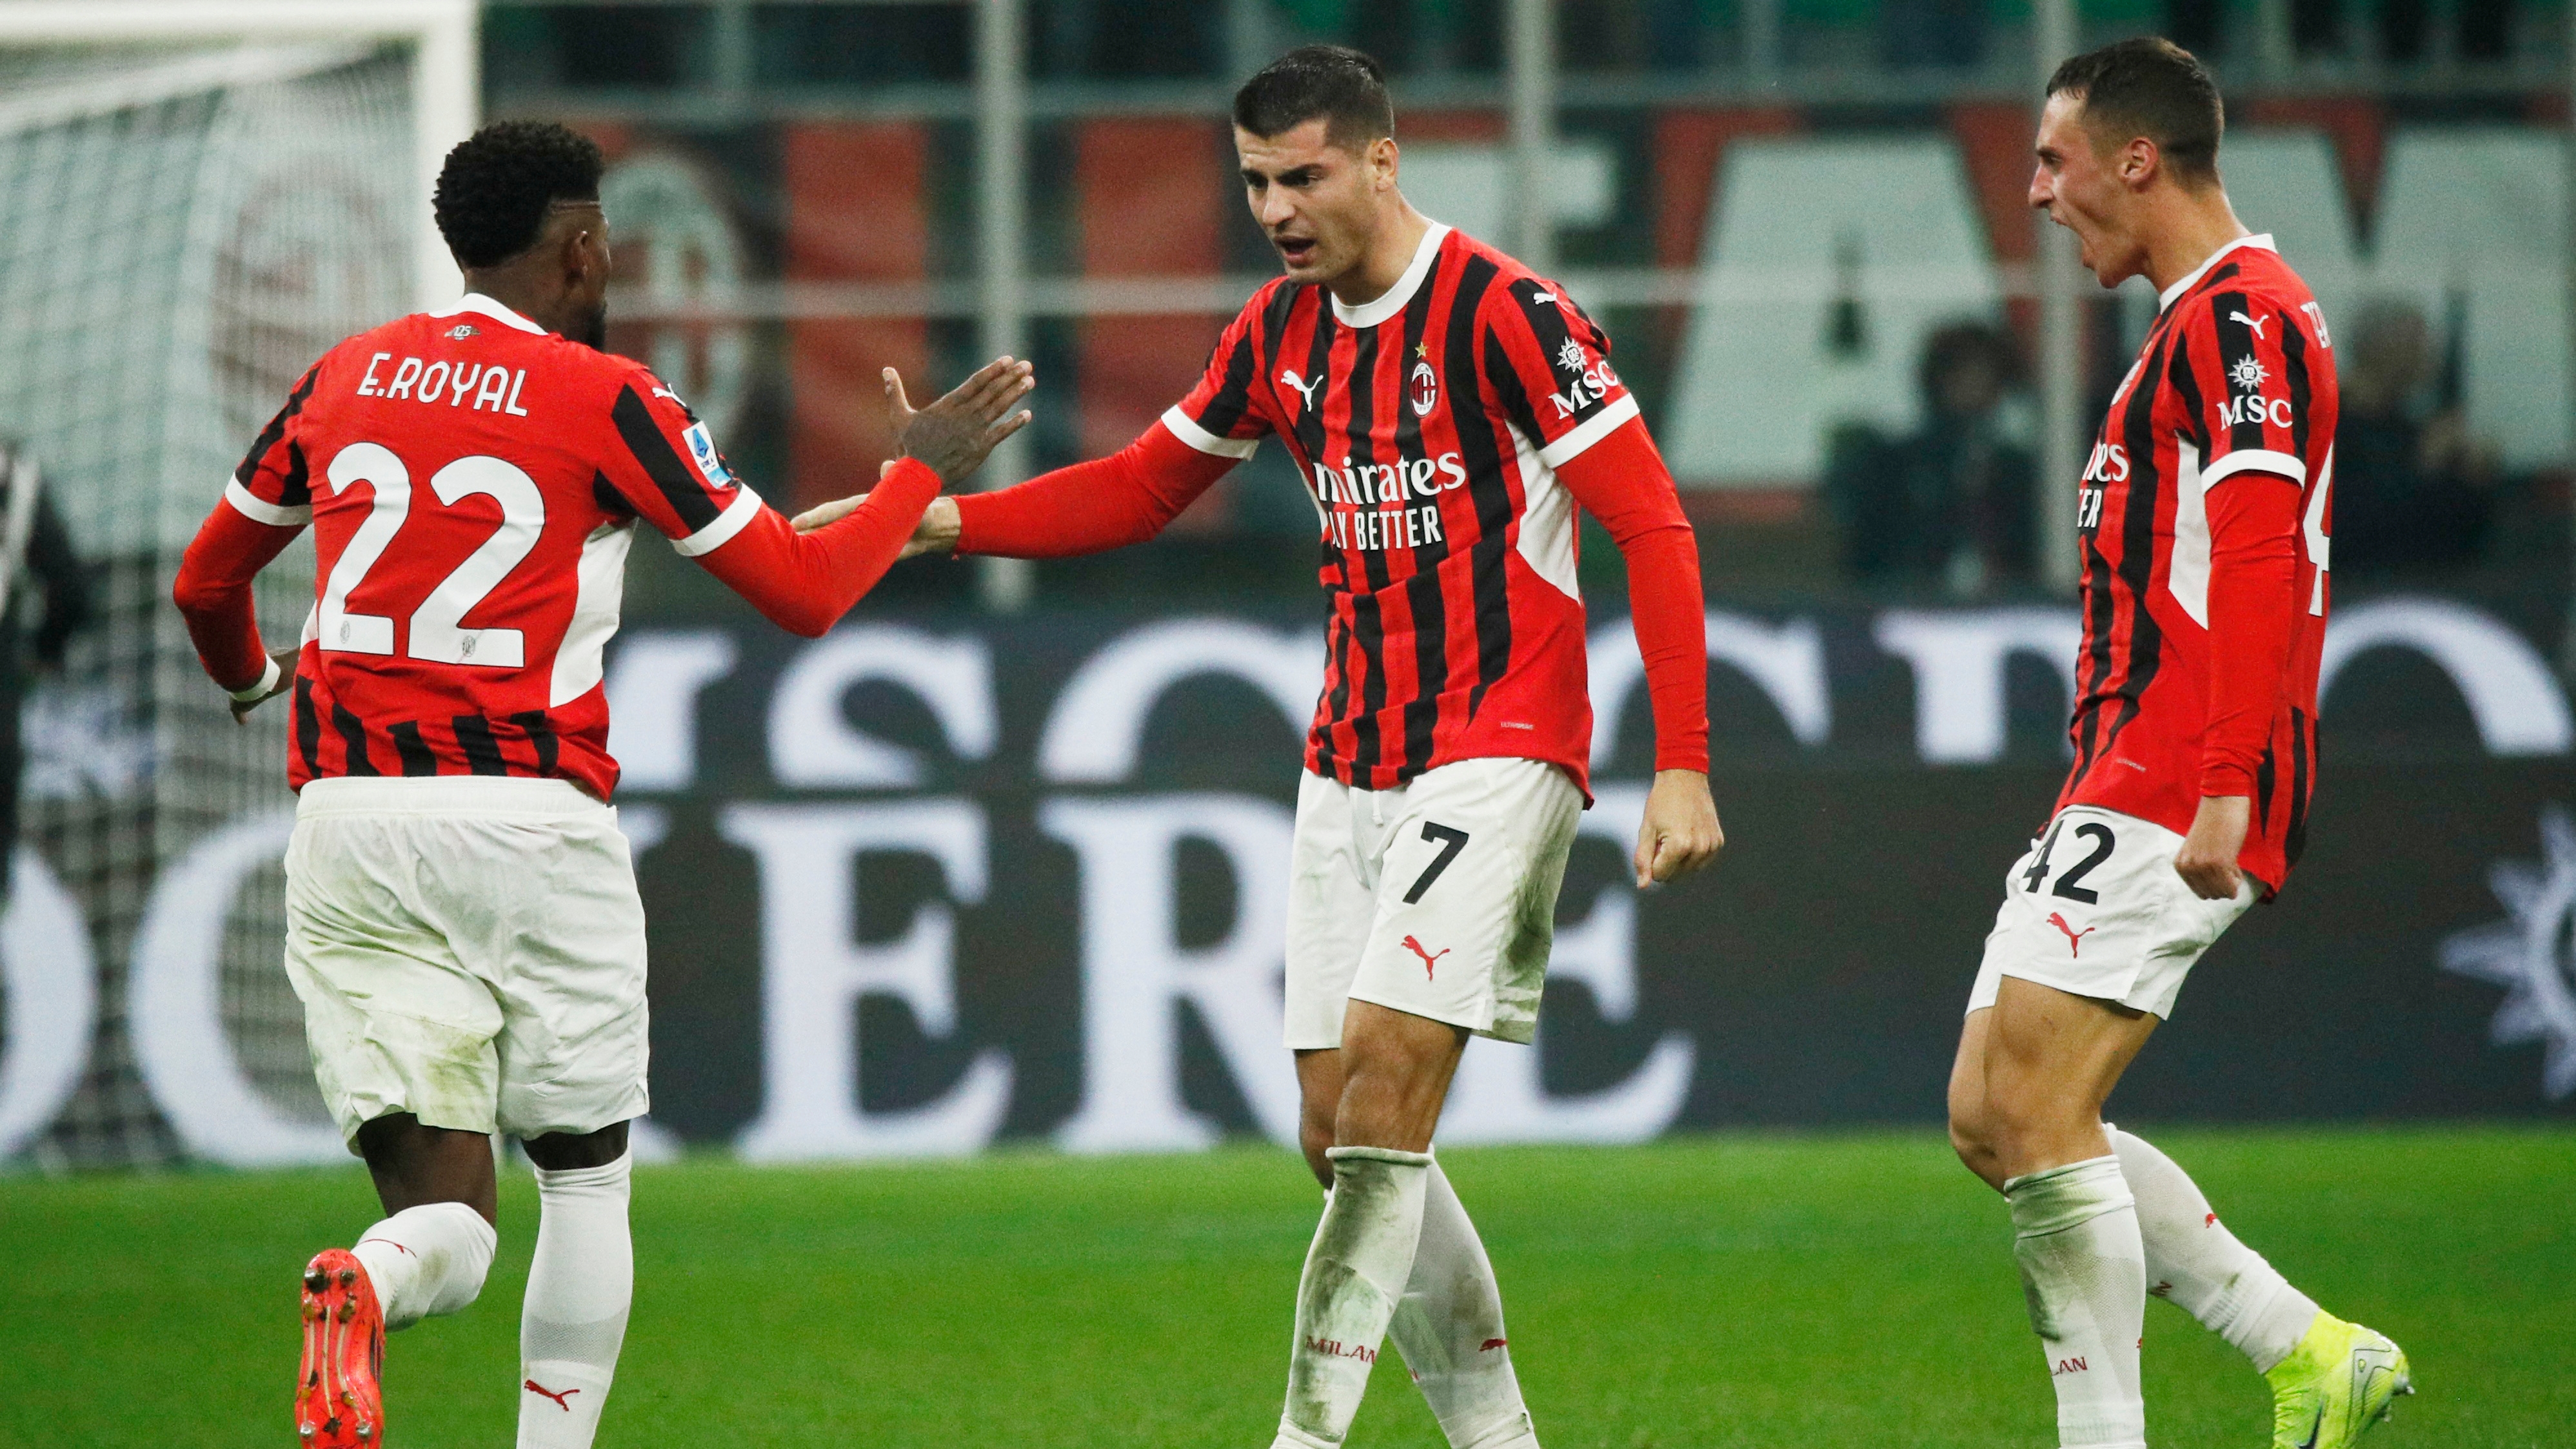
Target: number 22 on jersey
{"x":436,"y":633}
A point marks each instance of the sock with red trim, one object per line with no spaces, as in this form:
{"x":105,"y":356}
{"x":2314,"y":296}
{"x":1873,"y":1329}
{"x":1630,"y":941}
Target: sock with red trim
{"x":574,"y":1319}
{"x":2085,"y":1275}
{"x":2195,"y":1261}
{"x":1355,"y":1274}
{"x":426,"y":1260}
{"x":1449,"y":1327}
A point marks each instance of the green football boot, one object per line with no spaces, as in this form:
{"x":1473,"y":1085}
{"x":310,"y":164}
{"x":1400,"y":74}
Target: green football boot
{"x":2340,"y":1380}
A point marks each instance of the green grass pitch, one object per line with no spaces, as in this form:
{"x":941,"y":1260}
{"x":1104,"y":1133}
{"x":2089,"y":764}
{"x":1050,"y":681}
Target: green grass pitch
{"x":1738,"y":1290}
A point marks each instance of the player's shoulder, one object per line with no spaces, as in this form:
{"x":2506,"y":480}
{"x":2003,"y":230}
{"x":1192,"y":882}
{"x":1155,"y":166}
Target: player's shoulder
{"x":1271,"y":306}
{"x":2250,"y":279}
{"x":1515,"y":287}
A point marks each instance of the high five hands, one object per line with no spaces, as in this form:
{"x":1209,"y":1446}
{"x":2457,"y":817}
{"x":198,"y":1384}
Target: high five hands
{"x":953,"y":435}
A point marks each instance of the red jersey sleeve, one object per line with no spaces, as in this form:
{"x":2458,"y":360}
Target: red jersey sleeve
{"x":663,"y":467}
{"x":274,"y":484}
{"x":2247,"y":356}
{"x":1548,"y":365}
{"x":1623,"y":482}
{"x":266,"y":503}
{"x":1225,"y":416}
{"x":1092,"y":507}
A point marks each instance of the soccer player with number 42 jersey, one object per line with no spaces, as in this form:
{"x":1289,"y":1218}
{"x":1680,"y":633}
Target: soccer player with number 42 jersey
{"x":2202,"y":516}
{"x":462,"y":921}
{"x":1450,"y":411}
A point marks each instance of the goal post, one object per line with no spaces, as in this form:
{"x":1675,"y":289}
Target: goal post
{"x":441,"y":36}
{"x":204,"y":196}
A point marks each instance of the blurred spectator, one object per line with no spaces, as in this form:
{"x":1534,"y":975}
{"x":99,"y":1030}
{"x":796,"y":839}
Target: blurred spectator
{"x":36,"y":565}
{"x":1948,"y":507}
{"x":2412,"y":489}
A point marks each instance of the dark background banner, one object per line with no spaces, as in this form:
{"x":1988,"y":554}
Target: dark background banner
{"x":938,"y":879}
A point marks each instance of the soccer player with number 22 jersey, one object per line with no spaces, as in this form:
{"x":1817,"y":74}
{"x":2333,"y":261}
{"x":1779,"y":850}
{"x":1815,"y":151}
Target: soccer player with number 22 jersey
{"x":2203,"y":516}
{"x":462,"y":921}
{"x":1450,"y":411}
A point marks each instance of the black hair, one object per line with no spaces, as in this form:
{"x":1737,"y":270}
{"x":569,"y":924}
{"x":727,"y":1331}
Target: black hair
{"x":498,"y":183}
{"x":2148,"y":86}
{"x":1343,"y":86}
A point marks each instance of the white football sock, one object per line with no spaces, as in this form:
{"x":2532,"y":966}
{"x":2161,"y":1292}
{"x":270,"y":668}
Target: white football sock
{"x":2194,"y":1260}
{"x":1449,"y":1327}
{"x":426,"y":1260}
{"x":2084,"y":1273}
{"x":574,"y":1320}
{"x":1356,"y":1270}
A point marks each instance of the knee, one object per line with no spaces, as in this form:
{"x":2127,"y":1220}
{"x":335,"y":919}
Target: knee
{"x":1315,"y":1137}
{"x":1978,"y":1129}
{"x":1972,"y":1139}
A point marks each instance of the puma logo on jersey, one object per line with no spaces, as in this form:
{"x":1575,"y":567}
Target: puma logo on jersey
{"x":1428,"y":960}
{"x":2255,"y":323}
{"x":1304,"y":388}
{"x":532,"y":1386}
{"x":1547,"y":297}
{"x":2074,"y":937}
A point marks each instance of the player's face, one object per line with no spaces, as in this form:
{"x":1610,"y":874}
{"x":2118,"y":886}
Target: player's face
{"x":1317,"y":202}
{"x":2083,"y":192}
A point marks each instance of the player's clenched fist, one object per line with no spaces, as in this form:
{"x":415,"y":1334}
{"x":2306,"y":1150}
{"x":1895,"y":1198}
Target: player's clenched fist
{"x":1680,"y":832}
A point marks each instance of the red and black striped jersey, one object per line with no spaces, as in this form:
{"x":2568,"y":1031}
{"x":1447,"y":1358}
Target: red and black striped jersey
{"x":472,"y":482}
{"x":1429,"y":425}
{"x":2234,"y":389}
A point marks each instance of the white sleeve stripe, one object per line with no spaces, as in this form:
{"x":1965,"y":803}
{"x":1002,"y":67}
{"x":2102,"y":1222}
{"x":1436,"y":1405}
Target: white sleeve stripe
{"x":2256,"y":459}
{"x":249,"y":505}
{"x":1593,"y":429}
{"x":737,"y":516}
{"x":1186,"y":428}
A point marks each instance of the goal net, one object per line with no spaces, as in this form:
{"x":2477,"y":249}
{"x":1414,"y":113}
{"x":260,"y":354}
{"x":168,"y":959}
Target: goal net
{"x":193,"y":220}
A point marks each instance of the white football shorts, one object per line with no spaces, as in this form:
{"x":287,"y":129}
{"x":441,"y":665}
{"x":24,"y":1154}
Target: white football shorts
{"x":2094,"y":908}
{"x":469,"y":950}
{"x":1437,"y":897}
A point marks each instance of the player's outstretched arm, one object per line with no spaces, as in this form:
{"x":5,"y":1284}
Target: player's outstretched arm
{"x":804,"y":581}
{"x":953,"y":436}
{"x":1622,"y":481}
{"x":1125,"y":498}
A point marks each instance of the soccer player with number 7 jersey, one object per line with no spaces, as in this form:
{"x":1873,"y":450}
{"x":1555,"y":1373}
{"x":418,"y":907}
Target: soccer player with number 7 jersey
{"x":2202,"y":518}
{"x":462,"y":921}
{"x":1450,"y":411}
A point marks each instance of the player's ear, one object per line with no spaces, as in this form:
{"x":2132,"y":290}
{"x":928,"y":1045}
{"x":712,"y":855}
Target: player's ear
{"x":2139,"y":163}
{"x":1383,"y":158}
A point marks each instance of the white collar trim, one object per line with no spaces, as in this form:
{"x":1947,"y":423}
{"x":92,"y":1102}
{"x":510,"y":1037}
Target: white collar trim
{"x":1371,"y":313}
{"x":477,"y":302}
{"x":2166,"y":299}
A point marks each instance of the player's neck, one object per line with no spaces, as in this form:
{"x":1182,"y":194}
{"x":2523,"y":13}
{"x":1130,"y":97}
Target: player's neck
{"x":1383,"y":264}
{"x":515,"y":292}
{"x":2190,"y":230}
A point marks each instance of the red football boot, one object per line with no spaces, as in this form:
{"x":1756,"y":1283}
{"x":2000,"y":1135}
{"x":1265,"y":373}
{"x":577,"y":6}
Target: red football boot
{"x":339,"y":1393}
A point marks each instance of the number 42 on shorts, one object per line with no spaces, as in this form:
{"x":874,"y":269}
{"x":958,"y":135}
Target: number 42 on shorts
{"x":2070,"y":885}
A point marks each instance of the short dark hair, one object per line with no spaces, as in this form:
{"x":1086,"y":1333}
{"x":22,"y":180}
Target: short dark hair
{"x":1345,"y":87}
{"x":2148,"y":86}
{"x":495,"y":189}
